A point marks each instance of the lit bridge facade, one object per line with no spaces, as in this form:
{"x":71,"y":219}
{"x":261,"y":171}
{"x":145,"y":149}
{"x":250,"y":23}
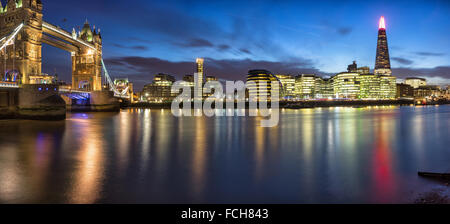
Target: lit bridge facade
{"x":22,"y":33}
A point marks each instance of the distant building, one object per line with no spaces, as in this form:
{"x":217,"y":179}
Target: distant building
{"x":305,"y":86}
{"x":404,"y":91}
{"x":415,"y":82}
{"x":200,"y":73}
{"x":210,"y":78}
{"x":262,"y":84}
{"x":189,"y":80}
{"x":363,"y":70}
{"x":163,"y":80}
{"x":447,"y":92}
{"x":353,"y":85}
{"x":354,"y":68}
{"x":356,"y":83}
{"x":121,"y":83}
{"x":325,"y":88}
{"x":288,"y":85}
{"x":388,"y":87}
{"x":370,"y":85}
{"x":428,"y":92}
{"x":124,"y":87}
{"x":159,"y":90}
{"x":42,"y":79}
{"x":346,"y":85}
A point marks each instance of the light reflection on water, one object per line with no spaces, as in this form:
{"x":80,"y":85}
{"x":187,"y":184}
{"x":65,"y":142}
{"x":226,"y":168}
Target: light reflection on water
{"x":322,"y":155}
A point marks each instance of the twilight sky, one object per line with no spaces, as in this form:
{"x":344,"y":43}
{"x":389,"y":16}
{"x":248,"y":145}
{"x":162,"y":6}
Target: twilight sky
{"x":142,"y":37}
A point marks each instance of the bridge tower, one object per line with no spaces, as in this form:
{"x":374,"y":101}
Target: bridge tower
{"x":24,"y":55}
{"x":87,"y":62}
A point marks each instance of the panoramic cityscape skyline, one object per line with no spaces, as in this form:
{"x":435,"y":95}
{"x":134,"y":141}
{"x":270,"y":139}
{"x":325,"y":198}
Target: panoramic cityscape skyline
{"x":144,"y":116}
{"x":233,"y":38}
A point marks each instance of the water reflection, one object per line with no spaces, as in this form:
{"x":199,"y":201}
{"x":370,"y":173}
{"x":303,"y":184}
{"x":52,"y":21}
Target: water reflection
{"x":89,"y":171}
{"x":259,"y":149}
{"x":10,"y":175}
{"x":199,"y":157}
{"x":323,"y":155}
{"x":384,"y":179}
{"x":146,"y":138}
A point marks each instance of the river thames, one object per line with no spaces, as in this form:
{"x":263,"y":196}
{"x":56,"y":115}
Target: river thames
{"x":320,"y":155}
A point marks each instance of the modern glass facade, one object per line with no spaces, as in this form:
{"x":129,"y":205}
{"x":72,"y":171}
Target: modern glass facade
{"x":159,"y":90}
{"x":325,"y":89}
{"x":261,"y":87}
{"x":388,"y":87}
{"x":305,"y":86}
{"x":365,"y":86}
{"x":370,"y":86}
{"x":288,"y":85}
{"x":346,"y":85}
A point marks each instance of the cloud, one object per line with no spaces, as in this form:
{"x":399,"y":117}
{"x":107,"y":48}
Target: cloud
{"x":402,"y":61}
{"x":137,"y":39}
{"x":140,"y":47}
{"x":136,"y":47}
{"x":245,"y":50}
{"x":223,"y":47}
{"x":344,"y":30}
{"x":203,"y":43}
{"x":437,"y":72}
{"x":422,"y":53}
{"x":197,"y":42}
{"x":142,"y":69}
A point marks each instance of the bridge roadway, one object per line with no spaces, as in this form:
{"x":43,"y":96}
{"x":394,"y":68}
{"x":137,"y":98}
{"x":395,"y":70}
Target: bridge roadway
{"x":82,"y":94}
{"x":57,"y":37}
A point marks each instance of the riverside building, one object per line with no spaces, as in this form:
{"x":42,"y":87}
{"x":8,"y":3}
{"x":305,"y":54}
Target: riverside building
{"x":288,"y":86}
{"x":305,"y":86}
{"x":415,"y":82}
{"x":261,"y":87}
{"x":159,"y":90}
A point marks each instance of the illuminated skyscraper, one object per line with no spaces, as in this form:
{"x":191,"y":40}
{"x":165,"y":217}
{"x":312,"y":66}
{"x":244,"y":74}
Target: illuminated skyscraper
{"x":382,"y":62}
{"x":200,"y":74}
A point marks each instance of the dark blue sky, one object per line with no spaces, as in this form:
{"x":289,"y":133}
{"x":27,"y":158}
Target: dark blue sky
{"x":143,"y":37}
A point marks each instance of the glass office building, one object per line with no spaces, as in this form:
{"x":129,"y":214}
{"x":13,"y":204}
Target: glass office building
{"x":261,"y":84}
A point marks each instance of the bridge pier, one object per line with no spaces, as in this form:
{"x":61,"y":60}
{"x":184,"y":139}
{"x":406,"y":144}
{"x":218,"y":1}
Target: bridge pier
{"x":32,"y":101}
{"x":97,"y":101}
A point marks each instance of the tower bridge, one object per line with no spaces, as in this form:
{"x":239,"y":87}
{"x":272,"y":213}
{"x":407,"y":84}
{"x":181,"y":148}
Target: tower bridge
{"x":22,"y":33}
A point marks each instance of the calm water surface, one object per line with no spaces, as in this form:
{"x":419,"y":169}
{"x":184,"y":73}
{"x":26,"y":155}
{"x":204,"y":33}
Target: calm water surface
{"x":323,"y":155}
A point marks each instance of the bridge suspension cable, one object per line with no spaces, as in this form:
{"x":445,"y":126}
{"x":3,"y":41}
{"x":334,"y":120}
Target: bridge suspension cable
{"x":111,"y":84}
{"x":11,"y":36}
